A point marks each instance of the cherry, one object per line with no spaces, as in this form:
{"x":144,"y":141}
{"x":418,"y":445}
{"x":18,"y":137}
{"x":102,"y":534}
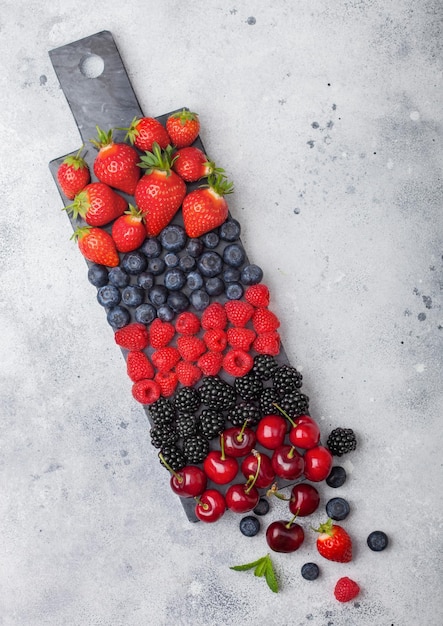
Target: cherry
{"x":318,"y":463}
{"x":283,"y":536}
{"x":304,"y":499}
{"x":241,"y":498}
{"x":305,"y":433}
{"x":188,"y":482}
{"x":218,"y":467}
{"x":210,"y":506}
{"x":287,"y":462}
{"x":271,"y":431}
{"x":266,"y":473}
{"x":239,"y":441}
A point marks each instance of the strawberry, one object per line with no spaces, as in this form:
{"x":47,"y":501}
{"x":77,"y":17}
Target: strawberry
{"x":134,"y":336}
{"x":346,"y":589}
{"x":128,"y":230}
{"x":138,"y":366}
{"x":192,"y":164}
{"x":210,"y":363}
{"x":215,"y":339}
{"x":187,"y":323}
{"x":239,"y":312}
{"x":214,"y":316}
{"x":97,"y":246}
{"x":267,"y":343}
{"x":161,"y":333}
{"x":116,"y":164}
{"x":206,"y":208}
{"x":188,"y":373}
{"x":146,"y":391}
{"x":183,"y":128}
{"x":73,"y":174}
{"x":165,"y":359}
{"x":167,"y":382}
{"x":258,"y":295}
{"x":190,"y":348}
{"x":160,"y":191}
{"x":97,"y":204}
{"x":237,"y":362}
{"x":264,"y":320}
{"x":145,"y":131}
{"x":334,"y":543}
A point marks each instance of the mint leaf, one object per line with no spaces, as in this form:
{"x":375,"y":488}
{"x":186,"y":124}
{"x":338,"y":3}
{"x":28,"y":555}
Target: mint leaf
{"x":263,"y":567}
{"x":246,"y":566}
{"x":270,"y":576}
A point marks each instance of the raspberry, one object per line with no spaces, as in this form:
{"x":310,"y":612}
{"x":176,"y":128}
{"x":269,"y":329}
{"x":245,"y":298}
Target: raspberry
{"x":346,"y":589}
{"x":161,"y":333}
{"x":214,"y":316}
{"x":239,"y":312}
{"x":167,"y":382}
{"x":257,"y":295}
{"x":240,"y":338}
{"x":132,"y":337}
{"x":146,"y":391}
{"x":215,"y":339}
{"x":188,"y":373}
{"x":138,"y":366}
{"x":190,"y":348}
{"x":267,"y":343}
{"x":210,"y":363}
{"x":165,"y":358}
{"x":264,"y":320}
{"x":237,"y":362}
{"x":187,"y":323}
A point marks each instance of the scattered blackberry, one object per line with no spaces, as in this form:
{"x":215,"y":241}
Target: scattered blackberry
{"x":186,"y":425}
{"x":216,"y":394}
{"x":341,"y":441}
{"x":187,"y":400}
{"x":173,"y":457}
{"x":287,"y":378}
{"x":294,"y":403}
{"x":248,"y":387}
{"x":195,"y":448}
{"x":162,"y":411}
{"x":163,"y":434}
{"x":211,"y":423}
{"x":243,"y":412}
{"x":266,"y":401}
{"x":264,"y":366}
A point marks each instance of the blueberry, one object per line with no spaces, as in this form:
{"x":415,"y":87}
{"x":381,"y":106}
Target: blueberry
{"x":194,"y":280}
{"x":337,"y":508}
{"x":158,"y":294}
{"x":98,"y":275}
{"x":165,"y":313}
{"x":173,"y":238}
{"x":118,"y":317}
{"x":230,"y":230}
{"x":108,"y":295}
{"x":171,"y":259}
{"x":210,"y":264}
{"x":377,"y":540}
{"x":145,"y":313}
{"x":249,"y":526}
{"x":310,"y":571}
{"x":251,"y":275}
{"x":234,"y":254}
{"x":211,"y":239}
{"x":151,"y":248}
{"x":199,"y":299}
{"x":194,"y":247}
{"x":145,"y":280}
{"x":178,"y":301}
{"x":156,"y":266}
{"x":337,"y":477}
{"x":118,"y":277}
{"x":132,"y":295}
{"x":262,"y":507}
{"x":214,"y":286}
{"x":234,"y":291}
{"x":174,"y":279}
{"x":187,"y":263}
{"x":231,"y":274}
{"x":134,"y":262}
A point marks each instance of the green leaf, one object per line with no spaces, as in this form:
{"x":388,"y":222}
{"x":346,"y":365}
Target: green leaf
{"x":263,"y":567}
{"x":246,"y":566}
{"x":270,"y":576}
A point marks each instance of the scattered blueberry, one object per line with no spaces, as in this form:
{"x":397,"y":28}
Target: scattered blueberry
{"x":134,"y":262}
{"x":249,"y":526}
{"x":234,"y":254}
{"x":337,"y":508}
{"x":178,"y":301}
{"x":132,"y":295}
{"x":377,"y":540}
{"x":230,"y":230}
{"x":174,"y":279}
{"x":199,"y":299}
{"x":337,"y":477}
{"x":214,"y":286}
{"x":171,"y":259}
{"x":210,"y":264}
{"x":118,"y":277}
{"x":234,"y":291}
{"x":194,"y":247}
{"x":173,"y":238}
{"x":187,"y":262}
{"x":145,"y":313}
{"x":118,"y":316}
{"x":251,"y":275}
{"x":151,"y":248}
{"x":211,"y":239}
{"x":231,"y":274}
{"x":98,"y":275}
{"x":146,"y":280}
{"x":156,"y":266}
{"x":194,"y":280}
{"x":108,"y":296}
{"x":165,"y":313}
{"x":310,"y":571}
{"x":158,"y":294}
{"x":262,"y":507}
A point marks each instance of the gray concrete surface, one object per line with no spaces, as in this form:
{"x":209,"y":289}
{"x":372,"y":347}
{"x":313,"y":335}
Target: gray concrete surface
{"x":328,"y":118}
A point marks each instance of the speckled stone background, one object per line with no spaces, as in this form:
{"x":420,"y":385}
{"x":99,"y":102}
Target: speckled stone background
{"x":328,"y":117}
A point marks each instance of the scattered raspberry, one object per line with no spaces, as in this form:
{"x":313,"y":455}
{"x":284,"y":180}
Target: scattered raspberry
{"x":165,"y":358}
{"x":214,"y":316}
{"x":210,"y":363}
{"x":167,"y":382}
{"x":346,"y":589}
{"x":146,"y":391}
{"x":138,"y":366}
{"x":132,"y":337}
{"x":161,"y":333}
{"x":240,"y":338}
{"x":187,"y":323}
{"x":257,"y":295}
{"x":190,"y":348}
{"x":215,"y":339}
{"x":188,"y":373}
{"x":267,"y":343}
{"x":237,"y":362}
{"x":264,"y":320}
{"x":239,"y":312}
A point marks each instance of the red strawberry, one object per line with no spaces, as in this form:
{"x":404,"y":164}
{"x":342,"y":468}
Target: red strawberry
{"x":188,"y":373}
{"x":161,"y":333}
{"x":97,"y":204}
{"x":239,"y":312}
{"x":97,"y":246}
{"x":346,"y":589}
{"x":192,"y":164}
{"x":264,"y":320}
{"x":214,"y":316}
{"x":267,"y":343}
{"x":116,"y":164}
{"x":334,"y":543}
{"x":205,"y":208}
{"x":146,"y":391}
{"x":73,"y":174}
{"x":210,"y":363}
{"x":187,"y":323}
{"x":167,"y":381}
{"x":165,"y":359}
{"x":160,"y":191}
{"x":183,"y":128}
{"x":134,"y":336}
{"x":128,"y":230}
{"x":138,"y":366}
{"x":237,"y":362}
{"x":145,"y":131}
{"x":240,"y":338}
{"x":215,"y":339}
{"x":258,"y":295}
{"x":190,"y":348}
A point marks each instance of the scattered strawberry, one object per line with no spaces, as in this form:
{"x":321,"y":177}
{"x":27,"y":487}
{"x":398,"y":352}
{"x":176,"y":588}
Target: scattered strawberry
{"x":145,"y":131}
{"x":97,"y":246}
{"x":161,"y":333}
{"x":165,"y":359}
{"x":346,"y":589}
{"x":138,"y":366}
{"x":128,"y":230}
{"x":146,"y":391}
{"x":258,"y":295}
{"x":167,"y":382}
{"x":97,"y":204}
{"x":214,"y":316}
{"x":237,"y":362}
{"x":264,"y":320}
{"x":267,"y":343}
{"x":160,"y":191}
{"x":183,"y":128}
{"x":73,"y":174}
{"x":134,"y":336}
{"x":190,"y":348}
{"x":240,"y":338}
{"x":210,"y":363}
{"x":188,"y":373}
{"x":116,"y":164}
{"x":334,"y":543}
{"x":206,"y":208}
{"x":239,"y":312}
{"x":187,"y":323}
{"x":215,"y":339}
{"x":192,"y":164}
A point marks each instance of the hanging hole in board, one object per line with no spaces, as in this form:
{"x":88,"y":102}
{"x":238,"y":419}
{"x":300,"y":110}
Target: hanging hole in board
{"x":91,"y":66}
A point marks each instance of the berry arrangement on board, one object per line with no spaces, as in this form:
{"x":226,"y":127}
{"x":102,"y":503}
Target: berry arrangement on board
{"x":202,"y":345}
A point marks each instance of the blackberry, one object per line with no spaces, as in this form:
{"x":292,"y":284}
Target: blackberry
{"x":248,"y":387}
{"x":172,"y":457}
{"x":195,"y":448}
{"x":211,"y":423}
{"x":267,"y":398}
{"x":264,"y":366}
{"x":286,"y":378}
{"x":341,"y":441}
{"x":294,"y":403}
{"x":187,"y":400}
{"x":163,"y":434}
{"x":186,"y":425}
{"x":162,"y":411}
{"x":244,"y":412}
{"x":216,"y":394}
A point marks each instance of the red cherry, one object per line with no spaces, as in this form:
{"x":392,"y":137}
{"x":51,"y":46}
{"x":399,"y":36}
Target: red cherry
{"x":287,"y":462}
{"x":220,"y":468}
{"x":304,"y":499}
{"x":239,"y":441}
{"x":241,"y":498}
{"x":271,"y":431}
{"x":188,"y":482}
{"x":265,"y":473}
{"x":210,"y":506}
{"x":305,"y":434}
{"x":283,"y":536}
{"x":318,"y":463}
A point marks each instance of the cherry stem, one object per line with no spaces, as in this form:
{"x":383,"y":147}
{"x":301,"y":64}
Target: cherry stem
{"x":242,"y":432}
{"x":291,"y":453}
{"x":169,"y":468}
{"x":273,"y":491}
{"x":291,"y":521}
{"x":253,"y":479}
{"x":222,"y":447}
{"x":204,"y":505}
{"x":283,"y":412}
